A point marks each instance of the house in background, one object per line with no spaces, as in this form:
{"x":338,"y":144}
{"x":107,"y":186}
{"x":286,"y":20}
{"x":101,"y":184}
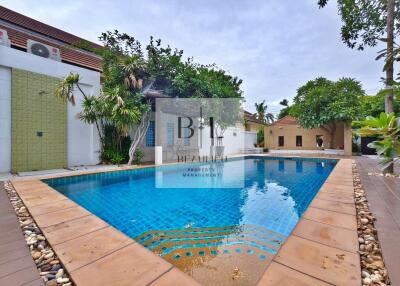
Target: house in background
{"x":286,"y":135}
{"x":252,"y":123}
{"x":163,"y":131}
{"x":37,"y":130}
{"x":41,"y":132}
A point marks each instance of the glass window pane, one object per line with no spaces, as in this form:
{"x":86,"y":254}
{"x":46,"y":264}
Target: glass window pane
{"x":170,"y":134}
{"x":151,"y":135}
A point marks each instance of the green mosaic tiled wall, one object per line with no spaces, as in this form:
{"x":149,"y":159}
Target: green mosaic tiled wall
{"x":35,"y":109}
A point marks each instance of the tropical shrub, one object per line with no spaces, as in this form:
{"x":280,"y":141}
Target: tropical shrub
{"x":127,"y":74}
{"x":387,"y":128}
{"x":260,"y":137}
{"x":138,"y":156}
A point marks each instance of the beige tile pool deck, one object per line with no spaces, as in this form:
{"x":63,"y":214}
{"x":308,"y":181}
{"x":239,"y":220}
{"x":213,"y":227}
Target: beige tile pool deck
{"x":322,"y":249}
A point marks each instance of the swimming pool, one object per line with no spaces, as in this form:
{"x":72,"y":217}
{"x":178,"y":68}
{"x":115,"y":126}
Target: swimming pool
{"x":220,"y":222}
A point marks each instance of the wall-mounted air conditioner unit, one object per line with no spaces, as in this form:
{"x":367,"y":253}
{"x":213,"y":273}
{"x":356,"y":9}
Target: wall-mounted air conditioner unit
{"x":4,"y":41}
{"x":43,"y":50}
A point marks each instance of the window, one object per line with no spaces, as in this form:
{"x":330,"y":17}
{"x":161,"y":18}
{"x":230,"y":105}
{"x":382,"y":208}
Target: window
{"x":186,"y":134}
{"x":281,"y":141}
{"x":299,"y":141}
{"x":170,"y":134}
{"x":151,"y":135}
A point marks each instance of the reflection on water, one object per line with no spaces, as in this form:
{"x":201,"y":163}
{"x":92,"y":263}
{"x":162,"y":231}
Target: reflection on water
{"x":219,"y":234}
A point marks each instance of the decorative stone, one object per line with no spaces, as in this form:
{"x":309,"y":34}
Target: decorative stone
{"x":373,"y":270}
{"x":31,"y":241}
{"x":367,"y":280}
{"x":60,"y":273}
{"x":55,"y":267}
{"x":364,"y":274}
{"x":51,"y":283}
{"x":50,"y":255}
{"x":45,"y":267}
{"x":62,"y":280}
{"x":36,"y":255}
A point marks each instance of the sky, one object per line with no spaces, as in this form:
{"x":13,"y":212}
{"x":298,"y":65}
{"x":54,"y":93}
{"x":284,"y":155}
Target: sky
{"x":275,"y":46}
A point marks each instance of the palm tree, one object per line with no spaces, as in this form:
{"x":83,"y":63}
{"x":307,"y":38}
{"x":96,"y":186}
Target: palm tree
{"x":261,"y":109}
{"x":269,"y":118}
{"x":261,"y":113}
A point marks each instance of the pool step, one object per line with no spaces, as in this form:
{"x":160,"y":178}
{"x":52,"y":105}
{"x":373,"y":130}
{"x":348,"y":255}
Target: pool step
{"x":166,"y":241}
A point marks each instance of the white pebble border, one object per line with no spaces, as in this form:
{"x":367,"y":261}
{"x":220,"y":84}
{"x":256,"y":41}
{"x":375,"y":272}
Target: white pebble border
{"x":373,"y":270}
{"x":50,"y":269}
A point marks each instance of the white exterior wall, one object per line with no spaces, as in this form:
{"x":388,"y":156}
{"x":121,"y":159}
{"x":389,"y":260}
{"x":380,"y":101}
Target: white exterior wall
{"x":5,"y":119}
{"x":233,"y":141}
{"x":250,"y":138}
{"x":83,"y":141}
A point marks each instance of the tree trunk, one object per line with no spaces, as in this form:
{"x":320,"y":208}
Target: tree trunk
{"x":389,"y":69}
{"x":138,"y":136}
{"x":333,"y":132}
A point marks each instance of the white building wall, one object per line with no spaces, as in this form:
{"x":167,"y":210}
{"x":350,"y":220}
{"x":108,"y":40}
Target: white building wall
{"x":250,"y":138}
{"x":233,"y":141}
{"x":83,"y":140}
{"x":5,"y":119}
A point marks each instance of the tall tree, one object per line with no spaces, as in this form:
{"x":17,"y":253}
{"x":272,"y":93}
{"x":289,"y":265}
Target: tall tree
{"x":261,"y":113}
{"x":261,"y":109}
{"x":389,"y":104}
{"x":365,"y":22}
{"x":323,"y":103}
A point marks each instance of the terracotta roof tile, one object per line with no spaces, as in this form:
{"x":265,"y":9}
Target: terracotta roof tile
{"x":19,"y":38}
{"x":39,"y":27}
{"x":287,"y":120}
{"x":250,"y":117}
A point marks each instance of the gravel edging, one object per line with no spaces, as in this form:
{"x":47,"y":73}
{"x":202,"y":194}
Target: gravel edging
{"x":373,"y":270}
{"x":49,"y":266}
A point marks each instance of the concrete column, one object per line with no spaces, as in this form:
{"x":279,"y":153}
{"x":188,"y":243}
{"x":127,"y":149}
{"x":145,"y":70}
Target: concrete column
{"x":347,"y":139}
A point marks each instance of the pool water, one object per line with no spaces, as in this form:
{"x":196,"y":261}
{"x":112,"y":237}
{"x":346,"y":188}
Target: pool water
{"x":222,"y":229}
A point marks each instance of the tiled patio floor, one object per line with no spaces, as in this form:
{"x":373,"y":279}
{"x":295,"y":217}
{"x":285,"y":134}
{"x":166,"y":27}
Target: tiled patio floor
{"x":383,"y":194}
{"x":16,"y":264}
{"x":93,"y":252}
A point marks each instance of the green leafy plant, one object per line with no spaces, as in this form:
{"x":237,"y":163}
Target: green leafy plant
{"x":365,"y":23}
{"x":260,"y":137}
{"x":112,"y":156}
{"x":138,"y":156}
{"x":323,"y":103}
{"x":387,"y":128}
{"x":122,"y":107}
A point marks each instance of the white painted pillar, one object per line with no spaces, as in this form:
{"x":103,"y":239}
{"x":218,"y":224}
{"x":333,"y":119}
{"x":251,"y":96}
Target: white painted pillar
{"x":158,"y":155}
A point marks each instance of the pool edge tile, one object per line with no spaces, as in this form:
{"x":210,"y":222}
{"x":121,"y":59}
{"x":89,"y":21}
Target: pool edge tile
{"x":130,"y":265}
{"x":297,"y":266}
{"x":140,"y":259}
{"x":278,"y":274}
{"x":175,"y":277}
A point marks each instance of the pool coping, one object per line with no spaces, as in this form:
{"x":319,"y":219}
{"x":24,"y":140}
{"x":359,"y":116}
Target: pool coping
{"x":322,"y":249}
